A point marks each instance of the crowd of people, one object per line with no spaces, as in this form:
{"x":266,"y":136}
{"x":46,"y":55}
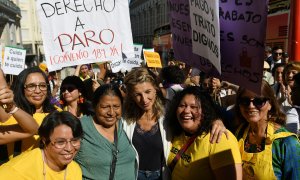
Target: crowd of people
{"x":173,"y":123}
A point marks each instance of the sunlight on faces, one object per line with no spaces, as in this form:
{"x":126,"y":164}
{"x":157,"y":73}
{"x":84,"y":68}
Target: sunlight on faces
{"x":289,"y":76}
{"x":144,"y":95}
{"x":56,"y":157}
{"x":36,"y":97}
{"x":108,"y":110}
{"x":251,"y":113}
{"x":278,"y":54}
{"x":84,"y":70}
{"x":279,"y":74}
{"x":189,"y":113}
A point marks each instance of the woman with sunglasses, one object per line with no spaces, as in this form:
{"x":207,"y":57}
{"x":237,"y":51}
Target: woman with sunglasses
{"x":60,"y":135}
{"x":73,"y":97}
{"x":32,"y":95}
{"x":268,"y":150}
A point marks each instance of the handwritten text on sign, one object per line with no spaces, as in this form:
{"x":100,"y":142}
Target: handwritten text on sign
{"x":205,"y":30}
{"x":152,"y":59}
{"x":84,"y":31}
{"x":243,"y":30}
{"x":14,"y":60}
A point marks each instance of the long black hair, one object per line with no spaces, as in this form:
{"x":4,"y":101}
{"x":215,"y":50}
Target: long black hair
{"x":19,"y":94}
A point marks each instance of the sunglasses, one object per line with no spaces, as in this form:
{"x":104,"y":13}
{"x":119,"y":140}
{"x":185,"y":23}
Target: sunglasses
{"x":257,"y":102}
{"x":68,"y":88}
{"x":278,"y":54}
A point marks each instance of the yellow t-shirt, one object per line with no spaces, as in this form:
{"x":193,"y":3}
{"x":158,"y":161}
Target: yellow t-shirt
{"x":202,"y":158}
{"x":28,"y":143}
{"x":29,"y":166}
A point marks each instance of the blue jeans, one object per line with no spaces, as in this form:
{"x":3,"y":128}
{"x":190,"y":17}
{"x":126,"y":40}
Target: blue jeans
{"x":149,"y":175}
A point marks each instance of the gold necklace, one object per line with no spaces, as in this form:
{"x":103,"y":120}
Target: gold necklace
{"x":44,"y":167}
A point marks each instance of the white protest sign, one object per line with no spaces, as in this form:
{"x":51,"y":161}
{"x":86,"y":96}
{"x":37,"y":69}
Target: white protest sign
{"x":129,"y":63}
{"x":206,"y":30}
{"x":137,"y":50}
{"x":84,"y":31}
{"x":14,"y":60}
{"x":116,"y":65}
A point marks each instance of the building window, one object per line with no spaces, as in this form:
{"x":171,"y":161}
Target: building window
{"x":25,"y":34}
{"x":24,"y":15}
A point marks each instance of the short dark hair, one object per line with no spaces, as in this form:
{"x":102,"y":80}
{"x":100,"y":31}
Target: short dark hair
{"x":173,"y":75}
{"x":54,"y":119}
{"x":20,"y":99}
{"x":106,"y":89}
{"x":209,"y":110}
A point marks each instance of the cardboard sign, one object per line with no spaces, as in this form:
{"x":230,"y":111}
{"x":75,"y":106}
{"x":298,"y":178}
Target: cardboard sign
{"x":242,"y":34}
{"x":152,"y":59}
{"x":206,"y":30}
{"x":82,"y":32}
{"x":14,"y":60}
{"x":138,"y":50}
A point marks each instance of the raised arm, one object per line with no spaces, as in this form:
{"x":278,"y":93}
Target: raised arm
{"x":26,"y":126}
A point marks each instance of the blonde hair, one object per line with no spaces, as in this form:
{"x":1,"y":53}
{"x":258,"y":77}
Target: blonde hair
{"x":132,"y":112}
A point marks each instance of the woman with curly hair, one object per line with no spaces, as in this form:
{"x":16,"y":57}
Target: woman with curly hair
{"x":192,"y":155}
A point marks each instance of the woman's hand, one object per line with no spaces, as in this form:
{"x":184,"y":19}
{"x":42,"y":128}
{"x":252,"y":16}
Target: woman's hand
{"x":217,"y":130}
{"x":95,"y":84}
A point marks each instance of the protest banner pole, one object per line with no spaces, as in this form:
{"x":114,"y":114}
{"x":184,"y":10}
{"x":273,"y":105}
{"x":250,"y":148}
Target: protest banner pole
{"x":294,"y":28}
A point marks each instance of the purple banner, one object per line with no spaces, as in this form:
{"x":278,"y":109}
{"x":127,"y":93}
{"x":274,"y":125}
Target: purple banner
{"x":182,"y":36}
{"x":243,"y":31}
{"x":242,"y":35}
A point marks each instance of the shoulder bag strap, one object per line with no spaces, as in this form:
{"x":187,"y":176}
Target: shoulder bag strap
{"x":182,"y":150}
{"x":115,"y":156}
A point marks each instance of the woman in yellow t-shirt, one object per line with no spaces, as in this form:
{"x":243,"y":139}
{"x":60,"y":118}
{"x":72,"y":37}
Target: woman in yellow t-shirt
{"x":26,"y":126}
{"x":60,"y":134}
{"x":32,"y":95}
{"x":192,"y":156}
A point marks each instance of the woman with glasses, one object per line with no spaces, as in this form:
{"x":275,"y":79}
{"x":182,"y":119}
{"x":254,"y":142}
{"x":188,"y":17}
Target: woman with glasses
{"x":32,"y":95}
{"x":192,"y":156}
{"x":73,"y":97}
{"x":268,"y":150}
{"x":106,"y":153}
{"x":60,"y":135}
{"x":26,"y":126}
